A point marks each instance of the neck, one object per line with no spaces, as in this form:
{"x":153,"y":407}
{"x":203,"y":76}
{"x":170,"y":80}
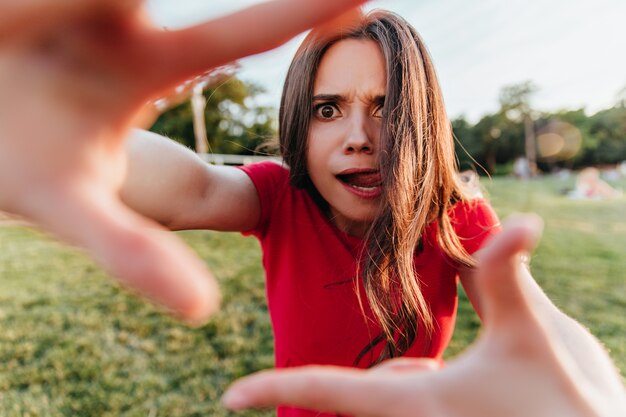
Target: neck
{"x":349,"y":227}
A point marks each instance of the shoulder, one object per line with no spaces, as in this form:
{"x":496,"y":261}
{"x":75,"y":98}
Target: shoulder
{"x":268,"y":177}
{"x":270,"y":170}
{"x":271,"y":180}
{"x":474,"y":221}
{"x":476,"y":212}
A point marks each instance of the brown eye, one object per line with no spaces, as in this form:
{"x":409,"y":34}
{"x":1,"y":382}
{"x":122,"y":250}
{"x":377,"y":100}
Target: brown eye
{"x":327,"y":111}
{"x":378,"y":112}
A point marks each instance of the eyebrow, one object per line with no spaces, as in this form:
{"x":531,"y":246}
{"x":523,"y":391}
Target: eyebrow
{"x":328,"y":97}
{"x":379,"y":99}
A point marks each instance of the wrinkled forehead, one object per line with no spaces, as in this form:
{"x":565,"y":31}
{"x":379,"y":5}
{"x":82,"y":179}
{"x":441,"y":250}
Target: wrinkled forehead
{"x":352,"y":66}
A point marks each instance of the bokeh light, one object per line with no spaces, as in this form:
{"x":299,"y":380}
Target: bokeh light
{"x":558,"y":141}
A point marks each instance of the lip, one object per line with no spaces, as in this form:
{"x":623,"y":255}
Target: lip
{"x":365,"y":193}
{"x":356,"y":171}
{"x":368,"y":193}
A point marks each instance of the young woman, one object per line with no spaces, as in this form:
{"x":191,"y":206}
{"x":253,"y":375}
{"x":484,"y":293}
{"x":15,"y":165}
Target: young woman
{"x":365,"y":228}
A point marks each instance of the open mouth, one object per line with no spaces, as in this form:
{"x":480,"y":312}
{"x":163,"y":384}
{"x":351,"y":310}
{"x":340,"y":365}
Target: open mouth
{"x":364,"y":183}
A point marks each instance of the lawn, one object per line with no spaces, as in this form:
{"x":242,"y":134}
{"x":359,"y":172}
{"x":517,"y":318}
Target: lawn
{"x":73,"y":343}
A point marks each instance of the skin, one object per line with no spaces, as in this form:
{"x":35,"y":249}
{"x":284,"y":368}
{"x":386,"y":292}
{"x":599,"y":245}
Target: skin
{"x":75,"y":76}
{"x":348,"y":93}
{"x":344,"y":135}
{"x":348,"y":97}
{"x":344,"y":132}
{"x":522,"y":365}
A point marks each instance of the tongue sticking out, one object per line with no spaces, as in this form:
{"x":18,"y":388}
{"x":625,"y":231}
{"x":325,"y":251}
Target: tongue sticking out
{"x":362,"y":179}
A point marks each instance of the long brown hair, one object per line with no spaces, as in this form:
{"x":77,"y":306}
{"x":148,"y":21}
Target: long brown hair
{"x":416,"y":161}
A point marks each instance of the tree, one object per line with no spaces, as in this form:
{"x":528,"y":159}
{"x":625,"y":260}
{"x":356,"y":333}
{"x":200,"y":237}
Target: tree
{"x":468,"y":148}
{"x":515,"y":104}
{"x":566,"y":139}
{"x":234,"y":123}
{"x":493,"y":140}
{"x":608,"y":128}
{"x":621,"y":98}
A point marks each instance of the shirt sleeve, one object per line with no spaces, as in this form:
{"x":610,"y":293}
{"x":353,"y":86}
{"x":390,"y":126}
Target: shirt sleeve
{"x":475,"y":222}
{"x":269,"y":179}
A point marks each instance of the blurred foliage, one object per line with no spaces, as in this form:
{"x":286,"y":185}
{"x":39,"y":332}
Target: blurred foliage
{"x":498,"y":139}
{"x":515,"y":99}
{"x":235,"y":123}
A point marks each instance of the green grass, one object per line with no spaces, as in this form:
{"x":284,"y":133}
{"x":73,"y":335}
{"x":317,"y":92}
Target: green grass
{"x":73,"y":343}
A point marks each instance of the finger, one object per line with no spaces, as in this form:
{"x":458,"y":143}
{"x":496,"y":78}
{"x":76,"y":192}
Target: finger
{"x":140,"y":254}
{"x":14,"y":14}
{"x":499,"y":268}
{"x":257,"y":29}
{"x":30,"y":15}
{"x":399,"y":365}
{"x":327,"y":389}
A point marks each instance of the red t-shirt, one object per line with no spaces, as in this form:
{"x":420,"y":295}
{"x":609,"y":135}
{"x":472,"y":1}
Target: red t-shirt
{"x":310,"y":270}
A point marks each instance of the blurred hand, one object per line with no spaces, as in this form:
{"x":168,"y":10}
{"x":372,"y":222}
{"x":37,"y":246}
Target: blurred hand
{"x":74,"y":76}
{"x":520,"y":366}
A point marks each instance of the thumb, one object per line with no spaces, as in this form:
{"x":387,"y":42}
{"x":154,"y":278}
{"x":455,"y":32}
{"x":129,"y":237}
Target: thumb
{"x":498,"y":275}
{"x":139,"y":253}
{"x":407,"y":365}
{"x":320,"y":388}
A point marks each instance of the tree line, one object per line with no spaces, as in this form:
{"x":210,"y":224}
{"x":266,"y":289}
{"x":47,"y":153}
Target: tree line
{"x":563,"y":139}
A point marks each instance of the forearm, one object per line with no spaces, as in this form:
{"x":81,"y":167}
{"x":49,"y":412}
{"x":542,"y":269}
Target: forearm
{"x":587,"y":352}
{"x":590,"y":356}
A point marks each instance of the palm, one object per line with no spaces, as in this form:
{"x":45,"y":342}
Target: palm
{"x":74,"y":76}
{"x":71,"y":88}
{"x":55,"y":110}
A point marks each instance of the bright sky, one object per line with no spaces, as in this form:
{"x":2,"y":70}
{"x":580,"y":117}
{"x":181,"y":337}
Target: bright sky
{"x":574,"y":50}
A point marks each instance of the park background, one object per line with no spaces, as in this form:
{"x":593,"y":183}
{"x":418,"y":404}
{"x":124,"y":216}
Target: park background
{"x":74,"y":343}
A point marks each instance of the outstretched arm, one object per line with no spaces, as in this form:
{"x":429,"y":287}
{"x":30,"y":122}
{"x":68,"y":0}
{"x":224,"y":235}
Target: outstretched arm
{"x":170,"y":184}
{"x":75,"y":76}
{"x":520,"y":366}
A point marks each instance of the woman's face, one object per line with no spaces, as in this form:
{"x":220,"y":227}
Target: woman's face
{"x":343,"y":143}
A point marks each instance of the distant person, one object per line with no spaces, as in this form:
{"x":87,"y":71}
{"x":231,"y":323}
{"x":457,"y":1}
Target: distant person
{"x":589,"y":185}
{"x":471,"y":182}
{"x":528,"y":361}
{"x":521,"y":168}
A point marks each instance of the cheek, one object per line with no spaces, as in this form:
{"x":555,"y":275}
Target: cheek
{"x":324,"y":138}
{"x":316,"y":145}
{"x":318,"y":159}
{"x":314,"y":157}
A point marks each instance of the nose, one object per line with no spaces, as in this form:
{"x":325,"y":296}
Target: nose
{"x":360,"y":137}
